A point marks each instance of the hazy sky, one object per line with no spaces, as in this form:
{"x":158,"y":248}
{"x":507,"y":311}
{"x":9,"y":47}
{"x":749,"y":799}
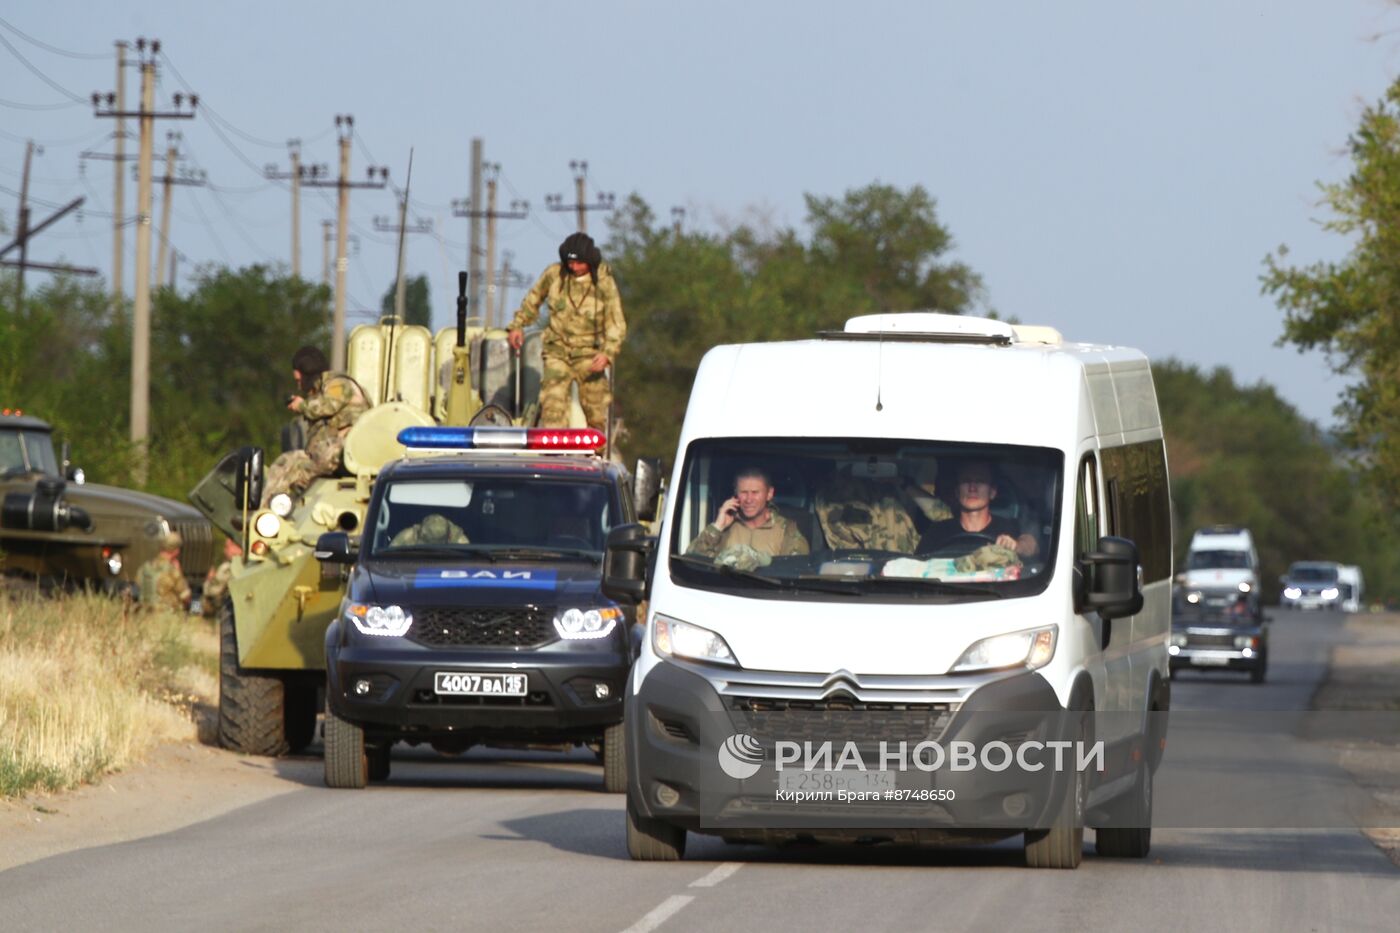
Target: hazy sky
{"x":1117,"y":170}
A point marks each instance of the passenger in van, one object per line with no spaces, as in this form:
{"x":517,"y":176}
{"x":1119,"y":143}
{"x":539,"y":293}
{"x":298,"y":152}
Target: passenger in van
{"x":748,"y":518}
{"x":433,"y":529}
{"x":976,"y":489}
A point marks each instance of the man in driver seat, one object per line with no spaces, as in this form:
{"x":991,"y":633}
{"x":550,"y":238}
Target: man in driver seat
{"x":433,"y":529}
{"x":747,"y":518}
{"x":975,"y":491}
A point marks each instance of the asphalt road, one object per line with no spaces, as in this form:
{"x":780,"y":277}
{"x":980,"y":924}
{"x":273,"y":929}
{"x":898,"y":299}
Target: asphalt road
{"x":518,"y":842}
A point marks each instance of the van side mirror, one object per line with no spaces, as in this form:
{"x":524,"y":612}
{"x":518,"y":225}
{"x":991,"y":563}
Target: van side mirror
{"x":625,"y":564}
{"x":248,"y":482}
{"x":1111,"y":579}
{"x":334,"y":547}
{"x":646,"y":487}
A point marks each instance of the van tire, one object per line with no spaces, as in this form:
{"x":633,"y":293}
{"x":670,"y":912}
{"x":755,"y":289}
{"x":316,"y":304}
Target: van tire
{"x":1131,"y":837}
{"x":347,"y":759}
{"x":1062,"y":845}
{"x":252,"y":708}
{"x":615,"y":759}
{"x":653,"y":840}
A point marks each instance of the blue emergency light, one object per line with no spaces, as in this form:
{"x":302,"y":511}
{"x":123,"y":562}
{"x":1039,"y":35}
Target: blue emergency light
{"x":437,"y":437}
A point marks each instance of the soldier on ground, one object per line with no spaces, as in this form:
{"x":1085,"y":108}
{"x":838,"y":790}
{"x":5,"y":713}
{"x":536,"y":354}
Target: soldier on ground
{"x":748,"y":519}
{"x":162,"y":582}
{"x":583,"y":336}
{"x":216,"y":581}
{"x":433,"y":529}
{"x":331,"y":404}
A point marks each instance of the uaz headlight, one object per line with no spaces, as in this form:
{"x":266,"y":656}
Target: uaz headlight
{"x":1331,"y":593}
{"x":672,"y":637}
{"x":1031,"y":648}
{"x":1292,"y":592}
{"x":577,"y":624}
{"x":379,"y":620}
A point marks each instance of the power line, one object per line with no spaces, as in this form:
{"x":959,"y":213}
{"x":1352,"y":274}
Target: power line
{"x":43,"y":77}
{"x":228,"y":260}
{"x":19,"y":106}
{"x":50,"y":48}
{"x":84,"y":139}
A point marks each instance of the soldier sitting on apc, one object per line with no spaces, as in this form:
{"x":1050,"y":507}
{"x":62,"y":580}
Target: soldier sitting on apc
{"x":333,"y":401}
{"x":583,"y":336}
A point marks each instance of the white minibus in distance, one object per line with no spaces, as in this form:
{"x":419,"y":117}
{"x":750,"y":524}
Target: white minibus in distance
{"x":920,"y":530}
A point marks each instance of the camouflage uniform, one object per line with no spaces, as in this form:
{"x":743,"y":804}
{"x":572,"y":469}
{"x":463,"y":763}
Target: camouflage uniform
{"x":865,"y":514}
{"x":162,"y":583}
{"x":584,"y":320}
{"x":435,"y":529}
{"x":215,"y":589}
{"x":776,"y":537}
{"x":330,"y":409}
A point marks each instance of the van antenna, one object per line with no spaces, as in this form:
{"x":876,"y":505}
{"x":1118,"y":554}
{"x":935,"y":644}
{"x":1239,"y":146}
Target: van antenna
{"x":880,"y":375}
{"x":399,"y":297}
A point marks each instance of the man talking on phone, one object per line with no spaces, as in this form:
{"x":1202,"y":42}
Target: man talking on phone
{"x":747,"y":518}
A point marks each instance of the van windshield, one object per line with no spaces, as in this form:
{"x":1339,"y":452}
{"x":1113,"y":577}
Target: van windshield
{"x":866,"y":516}
{"x":1218,"y":560}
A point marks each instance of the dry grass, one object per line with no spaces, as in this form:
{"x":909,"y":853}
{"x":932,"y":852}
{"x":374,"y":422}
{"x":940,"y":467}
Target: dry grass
{"x":87,"y":685}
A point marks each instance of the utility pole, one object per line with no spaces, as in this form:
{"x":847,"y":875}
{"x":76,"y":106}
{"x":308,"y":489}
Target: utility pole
{"x":508,"y":277}
{"x":23,"y":228}
{"x":119,"y":181}
{"x":327,"y":229}
{"x":141,"y":322}
{"x":491,"y":171}
{"x":384,"y":225}
{"x":297,"y":175}
{"x":474,"y":251}
{"x":27,"y":231}
{"x":677,"y":218}
{"x":606,"y":199}
{"x":345,"y":129}
{"x":168,"y":181}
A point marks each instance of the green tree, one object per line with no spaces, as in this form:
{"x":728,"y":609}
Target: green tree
{"x":418,"y":308}
{"x":1351,"y":308}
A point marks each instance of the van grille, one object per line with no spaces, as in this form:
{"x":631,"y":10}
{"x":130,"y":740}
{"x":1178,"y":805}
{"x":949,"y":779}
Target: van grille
{"x":837,"y":720}
{"x":440,"y":626}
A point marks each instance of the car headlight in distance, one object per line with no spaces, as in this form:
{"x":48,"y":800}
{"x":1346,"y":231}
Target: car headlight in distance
{"x":1178,"y":640}
{"x":267,"y":525}
{"x":379,"y":620}
{"x":578,"y":624}
{"x":113,"y":559}
{"x":1031,"y":648}
{"x":1193,"y":598}
{"x":1331,"y":593}
{"x":1245,"y":587}
{"x":672,"y":637}
{"x":1291,"y":592}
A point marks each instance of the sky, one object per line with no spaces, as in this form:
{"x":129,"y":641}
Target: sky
{"x":1116,"y":170}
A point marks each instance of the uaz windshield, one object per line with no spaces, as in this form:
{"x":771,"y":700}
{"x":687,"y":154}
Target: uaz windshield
{"x":875,"y":518}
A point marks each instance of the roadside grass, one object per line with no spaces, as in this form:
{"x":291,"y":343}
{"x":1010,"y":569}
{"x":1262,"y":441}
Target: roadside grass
{"x":88,"y":685}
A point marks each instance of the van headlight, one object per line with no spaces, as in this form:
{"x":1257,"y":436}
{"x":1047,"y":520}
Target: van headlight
{"x":575,"y":624}
{"x":379,"y":620}
{"x":1245,"y":587}
{"x":1193,"y":598}
{"x":1032,"y":648}
{"x":674,"y":638}
{"x":1292,"y":592}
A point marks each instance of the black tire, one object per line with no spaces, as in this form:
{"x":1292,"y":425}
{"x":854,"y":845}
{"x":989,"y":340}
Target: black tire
{"x":1062,"y":845}
{"x":653,"y":840}
{"x":347,"y":759}
{"x":252,"y":707}
{"x":615,"y":759}
{"x":1131,"y":834}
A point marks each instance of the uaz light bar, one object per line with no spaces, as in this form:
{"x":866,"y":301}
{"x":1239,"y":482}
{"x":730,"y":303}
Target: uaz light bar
{"x":534,"y":439}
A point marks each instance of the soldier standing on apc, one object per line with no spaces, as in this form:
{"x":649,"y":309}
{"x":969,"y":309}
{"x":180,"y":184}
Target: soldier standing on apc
{"x":333,"y":401}
{"x":583,"y":335}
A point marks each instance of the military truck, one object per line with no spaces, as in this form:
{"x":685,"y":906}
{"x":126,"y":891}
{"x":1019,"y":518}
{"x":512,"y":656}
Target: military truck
{"x":280,"y":599}
{"x":61,"y":531}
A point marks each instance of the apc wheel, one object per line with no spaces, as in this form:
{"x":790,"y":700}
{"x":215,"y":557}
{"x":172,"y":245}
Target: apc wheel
{"x":1131,"y":834}
{"x":653,"y":840}
{"x":1062,"y":845}
{"x":252,"y":708}
{"x":615,"y":760}
{"x":347,"y":759}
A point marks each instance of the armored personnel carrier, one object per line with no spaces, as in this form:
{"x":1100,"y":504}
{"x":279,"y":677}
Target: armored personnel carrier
{"x":280,"y":598}
{"x":62,"y":531}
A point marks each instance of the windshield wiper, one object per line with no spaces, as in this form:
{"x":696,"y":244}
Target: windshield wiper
{"x":936,"y":585}
{"x":839,"y":587}
{"x":546,"y":553}
{"x":436,"y":550}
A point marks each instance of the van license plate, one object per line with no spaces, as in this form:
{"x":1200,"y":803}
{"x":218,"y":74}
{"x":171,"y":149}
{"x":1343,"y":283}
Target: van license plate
{"x":1210,"y":660}
{"x":460,"y":684}
{"x":835,"y":780}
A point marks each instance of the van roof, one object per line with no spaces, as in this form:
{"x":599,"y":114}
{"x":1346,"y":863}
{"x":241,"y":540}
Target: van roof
{"x":927,"y":375}
{"x":1222,"y":537}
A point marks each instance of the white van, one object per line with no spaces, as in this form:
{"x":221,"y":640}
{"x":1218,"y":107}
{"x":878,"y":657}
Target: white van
{"x":1222,"y":567}
{"x":1353,"y":590}
{"x":939,"y":521}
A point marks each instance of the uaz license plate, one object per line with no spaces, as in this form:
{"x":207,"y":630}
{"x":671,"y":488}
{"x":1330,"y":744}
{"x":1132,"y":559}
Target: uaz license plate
{"x":457,"y":683}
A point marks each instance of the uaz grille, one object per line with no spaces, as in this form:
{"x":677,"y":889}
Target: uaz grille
{"x":482,"y":628}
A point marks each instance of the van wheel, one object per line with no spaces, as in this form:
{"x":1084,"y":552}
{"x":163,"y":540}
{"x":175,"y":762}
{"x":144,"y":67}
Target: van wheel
{"x":615,"y":759}
{"x":1131,"y":834}
{"x":347,"y":761}
{"x":1062,"y":845}
{"x":653,"y":840}
{"x":252,"y":708}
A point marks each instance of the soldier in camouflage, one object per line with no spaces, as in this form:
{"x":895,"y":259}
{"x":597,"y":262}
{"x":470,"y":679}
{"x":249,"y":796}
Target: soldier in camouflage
{"x":857,"y":513}
{"x":583,"y":336}
{"x":216,"y":582}
{"x":332,"y":403}
{"x":161,"y":580}
{"x":748,"y":520}
{"x":434,"y":529}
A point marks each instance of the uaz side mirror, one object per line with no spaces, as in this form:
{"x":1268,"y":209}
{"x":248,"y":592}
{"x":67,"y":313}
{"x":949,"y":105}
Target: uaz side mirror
{"x":625,"y":564}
